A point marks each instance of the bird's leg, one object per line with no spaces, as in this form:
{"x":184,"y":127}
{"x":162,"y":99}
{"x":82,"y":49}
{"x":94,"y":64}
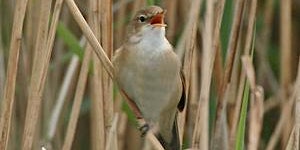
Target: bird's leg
{"x":144,"y":129}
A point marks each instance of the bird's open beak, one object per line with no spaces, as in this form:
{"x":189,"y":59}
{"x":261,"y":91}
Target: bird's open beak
{"x":158,"y":20}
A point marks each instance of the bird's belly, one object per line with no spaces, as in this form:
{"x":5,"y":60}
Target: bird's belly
{"x":154,"y":95}
{"x":152,"y":88}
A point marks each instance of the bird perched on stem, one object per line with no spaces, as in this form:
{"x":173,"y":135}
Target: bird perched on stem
{"x":149,"y":74}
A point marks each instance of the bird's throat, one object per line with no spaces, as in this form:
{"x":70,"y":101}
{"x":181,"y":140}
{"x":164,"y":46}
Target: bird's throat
{"x":149,"y":35}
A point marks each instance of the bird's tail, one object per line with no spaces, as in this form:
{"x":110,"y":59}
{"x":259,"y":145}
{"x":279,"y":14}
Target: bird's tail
{"x":174,"y":144}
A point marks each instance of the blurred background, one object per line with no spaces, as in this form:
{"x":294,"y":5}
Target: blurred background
{"x":55,"y":93}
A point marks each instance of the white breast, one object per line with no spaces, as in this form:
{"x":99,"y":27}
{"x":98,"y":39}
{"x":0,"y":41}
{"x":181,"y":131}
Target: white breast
{"x":151,"y":40}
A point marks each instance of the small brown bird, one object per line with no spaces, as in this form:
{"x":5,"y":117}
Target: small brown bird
{"x":149,"y":73}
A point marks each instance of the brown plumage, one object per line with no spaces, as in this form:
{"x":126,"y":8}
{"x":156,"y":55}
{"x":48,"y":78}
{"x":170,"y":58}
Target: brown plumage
{"x":148,"y":72}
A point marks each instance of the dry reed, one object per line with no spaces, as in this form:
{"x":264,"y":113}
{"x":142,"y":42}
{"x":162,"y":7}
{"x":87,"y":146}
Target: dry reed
{"x":247,"y":49}
{"x":77,"y":101}
{"x":2,"y":69}
{"x":218,"y":67}
{"x":256,"y":104}
{"x":285,"y":43}
{"x":112,"y":143}
{"x":200,"y":138}
{"x":263,"y":40}
{"x":279,"y":126}
{"x":57,"y":109}
{"x":90,"y":37}
{"x":97,"y":110}
{"x":38,"y":77}
{"x":41,"y":69}
{"x":232,"y":50}
{"x":171,"y":15}
{"x":294,"y":137}
{"x":106,"y":41}
{"x":285,"y":54}
{"x":12,"y":67}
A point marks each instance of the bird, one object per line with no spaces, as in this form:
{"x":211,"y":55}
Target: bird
{"x":149,"y":73}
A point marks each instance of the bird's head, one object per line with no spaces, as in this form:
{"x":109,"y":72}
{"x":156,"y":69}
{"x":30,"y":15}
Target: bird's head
{"x":147,"y":21}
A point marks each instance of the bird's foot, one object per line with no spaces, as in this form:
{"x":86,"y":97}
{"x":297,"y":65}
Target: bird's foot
{"x":144,"y":129}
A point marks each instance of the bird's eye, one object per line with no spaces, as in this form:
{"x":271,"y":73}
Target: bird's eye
{"x":142,"y":18}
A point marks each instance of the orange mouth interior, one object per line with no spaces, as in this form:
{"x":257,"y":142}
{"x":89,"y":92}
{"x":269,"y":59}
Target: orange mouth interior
{"x":158,"y":19}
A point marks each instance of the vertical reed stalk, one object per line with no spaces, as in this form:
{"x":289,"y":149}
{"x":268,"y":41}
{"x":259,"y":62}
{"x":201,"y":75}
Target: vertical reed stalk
{"x":30,"y":33}
{"x":263,"y":41}
{"x":112,"y":142}
{"x":171,"y":17}
{"x":233,"y":41}
{"x":294,"y":137}
{"x":38,"y":77}
{"x":2,"y":68}
{"x":123,"y":121}
{"x":61,"y":98}
{"x":71,"y":129}
{"x":105,"y":8}
{"x":247,"y":49}
{"x":285,"y":42}
{"x":256,"y":104}
{"x":49,"y":47}
{"x":192,"y":102}
{"x":218,"y":66}
{"x":256,"y":118}
{"x":12,"y":67}
{"x":137,"y":5}
{"x":285,"y":55}
{"x":120,"y":23}
{"x":286,"y":110}
{"x":229,"y":63}
{"x":2,"y":74}
{"x":57,"y":109}
{"x":201,"y":131}
{"x":297,"y":110}
{"x":98,"y":137}
{"x":185,"y":50}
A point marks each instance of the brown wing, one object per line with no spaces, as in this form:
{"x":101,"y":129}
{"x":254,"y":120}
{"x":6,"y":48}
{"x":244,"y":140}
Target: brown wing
{"x":118,"y":53}
{"x":132,"y":105}
{"x":181,"y":103}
